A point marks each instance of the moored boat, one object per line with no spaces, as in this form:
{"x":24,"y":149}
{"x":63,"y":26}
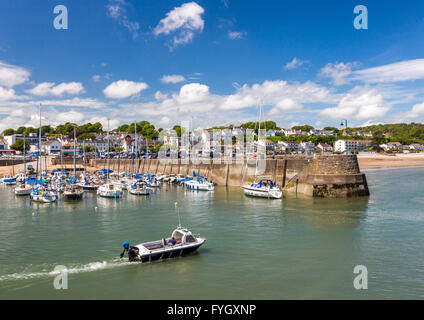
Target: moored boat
{"x":73,"y":192}
{"x":109,"y":190}
{"x":42,"y":195}
{"x":265,"y":188}
{"x":23,"y":190}
{"x":199,"y":183}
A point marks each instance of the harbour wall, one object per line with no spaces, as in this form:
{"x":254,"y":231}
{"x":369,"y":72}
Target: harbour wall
{"x":317,"y":176}
{"x":10,"y":162}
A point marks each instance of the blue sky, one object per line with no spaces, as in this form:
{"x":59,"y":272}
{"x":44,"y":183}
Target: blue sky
{"x":168,"y":61}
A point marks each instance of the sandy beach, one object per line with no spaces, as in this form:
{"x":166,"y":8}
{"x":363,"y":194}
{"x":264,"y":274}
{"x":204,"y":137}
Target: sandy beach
{"x":377,"y":161}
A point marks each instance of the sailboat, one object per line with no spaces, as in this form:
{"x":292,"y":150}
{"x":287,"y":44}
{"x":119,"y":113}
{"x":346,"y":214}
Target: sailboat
{"x":109,"y":190}
{"x":72,"y":190}
{"x":140,"y":188}
{"x":41,"y":193}
{"x":262,"y":187}
{"x":199,"y":183}
{"x":24,"y":189}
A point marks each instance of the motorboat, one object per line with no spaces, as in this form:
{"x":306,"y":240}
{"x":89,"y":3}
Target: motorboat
{"x":181,"y":242}
{"x":109,"y":190}
{"x":199,"y":183}
{"x":40,"y":194}
{"x":73,"y":192}
{"x":23,"y":190}
{"x":140,"y":188}
{"x":264,"y":188}
{"x":8,"y":180}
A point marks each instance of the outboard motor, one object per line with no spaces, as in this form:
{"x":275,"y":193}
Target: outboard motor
{"x":133,"y":252}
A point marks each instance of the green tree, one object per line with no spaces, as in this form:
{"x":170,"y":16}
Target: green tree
{"x":19,"y":145}
{"x":305,"y":128}
{"x":20,"y":130}
{"x":8,"y":132}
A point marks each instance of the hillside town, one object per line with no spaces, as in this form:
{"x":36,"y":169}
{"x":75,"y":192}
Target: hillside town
{"x":296,"y":140}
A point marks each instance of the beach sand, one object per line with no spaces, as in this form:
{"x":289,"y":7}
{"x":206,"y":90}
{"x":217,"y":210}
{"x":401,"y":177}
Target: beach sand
{"x":377,"y":161}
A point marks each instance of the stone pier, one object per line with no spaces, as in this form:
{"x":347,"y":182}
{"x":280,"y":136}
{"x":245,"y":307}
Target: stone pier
{"x":317,"y":176}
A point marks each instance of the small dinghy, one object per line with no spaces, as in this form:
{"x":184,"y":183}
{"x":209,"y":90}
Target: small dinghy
{"x":181,"y":242}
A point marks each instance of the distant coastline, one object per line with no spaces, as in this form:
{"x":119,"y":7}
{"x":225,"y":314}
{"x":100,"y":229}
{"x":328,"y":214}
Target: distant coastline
{"x":377,"y":161}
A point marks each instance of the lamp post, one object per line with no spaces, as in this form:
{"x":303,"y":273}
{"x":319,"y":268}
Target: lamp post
{"x":347,"y":134}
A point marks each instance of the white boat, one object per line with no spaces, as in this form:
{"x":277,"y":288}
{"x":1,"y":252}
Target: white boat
{"x":8,"y":180}
{"x":139,"y":189}
{"x":181,"y":242}
{"x":199,"y":183}
{"x":41,"y":195}
{"x":109,"y":190}
{"x":23,"y":190}
{"x":73,"y":192}
{"x":263,"y":189}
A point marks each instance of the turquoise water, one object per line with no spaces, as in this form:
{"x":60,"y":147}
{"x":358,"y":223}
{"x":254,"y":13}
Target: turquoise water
{"x":298,"y":248}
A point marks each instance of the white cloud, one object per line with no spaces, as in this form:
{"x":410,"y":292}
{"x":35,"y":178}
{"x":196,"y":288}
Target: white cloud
{"x":184,"y":21}
{"x":69,"y":116}
{"x":193,"y":92}
{"x":338,"y":72}
{"x":164,"y":121}
{"x":49,"y":88}
{"x":11,"y":76}
{"x":360,"y":103}
{"x":274,"y":92}
{"x":6,"y":94}
{"x":173,"y":78}
{"x":233,"y":35}
{"x":96,"y":78}
{"x":116,"y":9}
{"x":286,"y":105}
{"x":124,"y":89}
{"x":160,"y":96}
{"x":75,"y":102}
{"x":295,"y":63}
{"x":395,"y":72}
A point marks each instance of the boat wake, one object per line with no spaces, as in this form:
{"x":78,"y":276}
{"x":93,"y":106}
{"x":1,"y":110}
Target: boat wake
{"x":90,"y":267}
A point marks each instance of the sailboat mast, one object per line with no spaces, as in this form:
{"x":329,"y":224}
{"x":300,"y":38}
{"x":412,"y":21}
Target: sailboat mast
{"x":61,"y":157}
{"x":75,"y":152}
{"x":39,"y":146}
{"x":108,"y":153}
{"x":24,"y":158}
{"x":119,"y":156}
{"x":135,"y":147}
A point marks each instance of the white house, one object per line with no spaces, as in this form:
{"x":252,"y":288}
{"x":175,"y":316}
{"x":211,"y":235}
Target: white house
{"x":307,"y":146}
{"x":51,"y":147}
{"x":288,"y":146}
{"x":391,"y":146}
{"x":324,"y":147}
{"x":353,"y":145}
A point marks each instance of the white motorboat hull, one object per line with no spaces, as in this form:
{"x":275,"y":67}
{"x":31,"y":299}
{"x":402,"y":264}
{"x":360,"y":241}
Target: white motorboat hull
{"x":262,"y":192}
{"x":140,"y":192}
{"x":23,"y":191}
{"x":43,"y":198}
{"x":194,"y":185}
